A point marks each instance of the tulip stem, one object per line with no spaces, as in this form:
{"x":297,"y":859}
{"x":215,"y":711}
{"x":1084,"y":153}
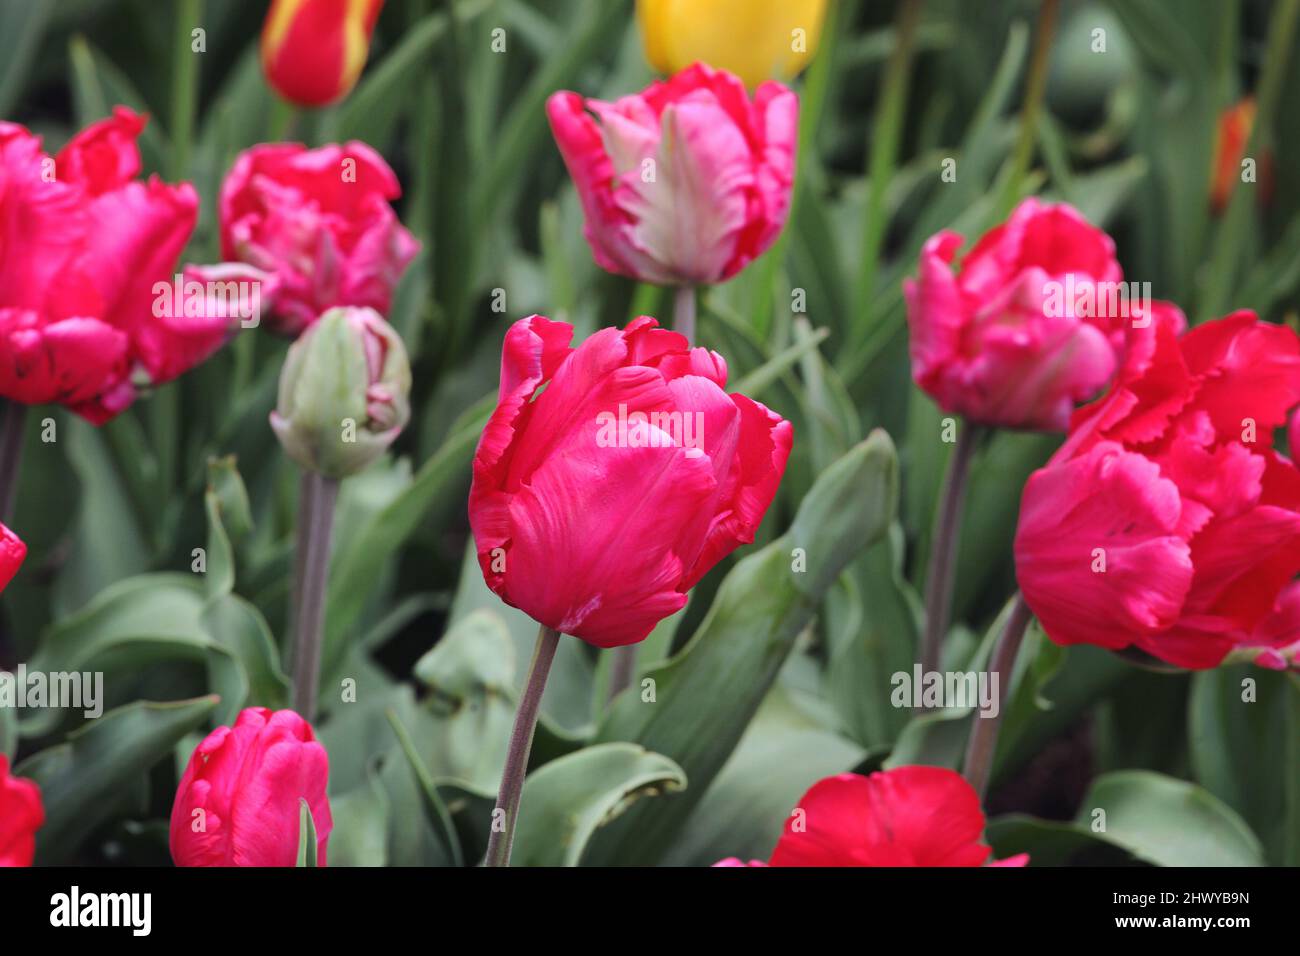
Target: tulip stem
{"x":521,"y":744}
{"x":684,"y":312}
{"x":984,"y":731}
{"x":1035,"y":88}
{"x":315,"y":529}
{"x":943,"y":548}
{"x":13,"y":418}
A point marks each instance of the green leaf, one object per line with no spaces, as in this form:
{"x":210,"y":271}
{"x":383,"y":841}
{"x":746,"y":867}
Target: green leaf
{"x":1053,"y":842}
{"x":352,"y":571}
{"x":568,"y":799}
{"x":435,"y":810}
{"x":307,"y":847}
{"x":22,"y":25}
{"x":360,"y":834}
{"x":782,"y":754}
{"x":84,"y":781}
{"x":1169,"y":822}
{"x":718,"y":680}
{"x":1236,"y":747}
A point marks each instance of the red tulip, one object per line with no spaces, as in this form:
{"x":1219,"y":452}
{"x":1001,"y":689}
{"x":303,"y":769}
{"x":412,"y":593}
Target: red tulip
{"x":686,"y":182}
{"x":313,"y":51}
{"x":909,"y":816}
{"x":238,"y":802}
{"x":21,"y":815}
{"x":1233,"y":135}
{"x":12,"y":552}
{"x":1167,"y":521}
{"x":600,"y":501}
{"x":1028,"y":326}
{"x":317,"y":229}
{"x":82,"y":245}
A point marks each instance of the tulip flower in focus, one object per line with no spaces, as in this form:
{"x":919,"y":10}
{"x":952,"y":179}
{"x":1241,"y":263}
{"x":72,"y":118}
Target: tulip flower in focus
{"x":686,"y":182}
{"x":755,"y":39}
{"x":1167,"y":521}
{"x":82,"y":323}
{"x":313,"y":51}
{"x":344,"y":393}
{"x":21,"y":815}
{"x":908,"y":816}
{"x":315,"y":226}
{"x":238,"y":801}
{"x":600,"y":501}
{"x":1026,"y":328}
{"x":1232,"y":137}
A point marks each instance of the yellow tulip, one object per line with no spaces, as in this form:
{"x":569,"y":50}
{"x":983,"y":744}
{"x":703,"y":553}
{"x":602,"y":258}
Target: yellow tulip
{"x":755,"y":39}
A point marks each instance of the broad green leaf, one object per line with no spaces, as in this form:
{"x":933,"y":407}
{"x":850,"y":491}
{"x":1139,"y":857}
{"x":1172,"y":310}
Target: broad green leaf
{"x":435,"y":809}
{"x":782,"y":754}
{"x":352,"y":570}
{"x":360,"y":834}
{"x":1169,"y":822}
{"x":568,"y":799}
{"x":718,"y":680}
{"x":84,"y":781}
{"x":1053,"y":842}
{"x":1237,"y":745}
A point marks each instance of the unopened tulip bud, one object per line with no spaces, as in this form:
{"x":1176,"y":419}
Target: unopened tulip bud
{"x":313,"y":51}
{"x":344,"y":393}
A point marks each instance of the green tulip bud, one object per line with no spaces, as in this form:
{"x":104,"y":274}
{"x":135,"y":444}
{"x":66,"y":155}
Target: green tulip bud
{"x":344,"y":393}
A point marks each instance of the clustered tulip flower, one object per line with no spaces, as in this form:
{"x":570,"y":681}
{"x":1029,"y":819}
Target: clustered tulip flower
{"x":315,"y":228}
{"x":632,"y":469}
{"x":78,"y":323}
{"x":1002,"y":342}
{"x":755,"y":39}
{"x":908,"y":816}
{"x":238,"y":801}
{"x":21,"y":815}
{"x":1166,"y":521}
{"x":685,"y":183}
{"x":12,"y":553}
{"x":313,"y":51}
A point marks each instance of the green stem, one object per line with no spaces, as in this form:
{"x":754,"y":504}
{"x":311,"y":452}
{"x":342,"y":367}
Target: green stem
{"x":885,"y":137}
{"x":315,"y":530}
{"x":13,"y":418}
{"x":943,"y":548}
{"x":1035,"y":88}
{"x":185,"y":85}
{"x":521,"y":744}
{"x":984,"y":730}
{"x":1229,"y":243}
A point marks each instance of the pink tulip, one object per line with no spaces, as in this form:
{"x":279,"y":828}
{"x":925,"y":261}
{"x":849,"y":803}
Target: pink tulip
{"x":21,"y":815}
{"x":1027,"y":326}
{"x":238,"y":802}
{"x":686,"y":182}
{"x":83,"y":244}
{"x":12,"y":553}
{"x":317,"y":223}
{"x":1167,"y":521}
{"x":908,"y":816}
{"x":600,"y":501}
